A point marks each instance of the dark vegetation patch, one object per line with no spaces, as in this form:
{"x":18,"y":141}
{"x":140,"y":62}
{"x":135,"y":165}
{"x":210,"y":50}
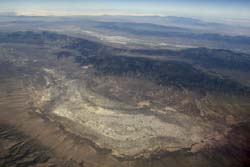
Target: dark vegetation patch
{"x":221,"y":59}
{"x":208,"y":58}
{"x":85,"y":47}
{"x":63,"y":54}
{"x":166,"y":73}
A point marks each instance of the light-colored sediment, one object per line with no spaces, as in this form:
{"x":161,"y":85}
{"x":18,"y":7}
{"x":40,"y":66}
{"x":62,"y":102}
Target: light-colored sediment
{"x":109,"y":125}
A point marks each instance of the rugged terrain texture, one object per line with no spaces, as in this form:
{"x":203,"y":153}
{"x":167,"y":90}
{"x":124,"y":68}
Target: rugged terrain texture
{"x":70,"y":101}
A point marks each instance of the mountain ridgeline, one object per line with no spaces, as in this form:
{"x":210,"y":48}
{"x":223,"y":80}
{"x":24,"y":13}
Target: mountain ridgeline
{"x":180,"y":72}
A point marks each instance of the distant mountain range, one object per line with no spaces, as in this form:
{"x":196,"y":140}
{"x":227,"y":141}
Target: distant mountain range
{"x":147,"y":29}
{"x":189,"y":21}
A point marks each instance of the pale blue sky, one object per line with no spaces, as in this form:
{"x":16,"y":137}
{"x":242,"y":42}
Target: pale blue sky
{"x":199,"y":8}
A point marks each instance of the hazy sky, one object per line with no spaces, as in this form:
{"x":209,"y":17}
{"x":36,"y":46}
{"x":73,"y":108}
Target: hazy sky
{"x":196,"y":8}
